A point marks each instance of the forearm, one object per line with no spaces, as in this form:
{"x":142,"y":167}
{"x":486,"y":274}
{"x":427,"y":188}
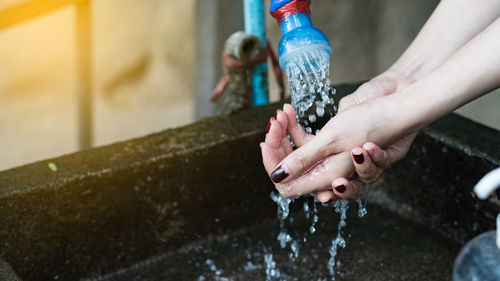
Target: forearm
{"x":452,"y":24}
{"x":472,"y":71}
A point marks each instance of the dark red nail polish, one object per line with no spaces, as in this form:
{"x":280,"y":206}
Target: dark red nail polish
{"x":340,"y":188}
{"x":276,"y":115}
{"x":279,"y":174}
{"x":268,"y":127}
{"x":359,"y":158}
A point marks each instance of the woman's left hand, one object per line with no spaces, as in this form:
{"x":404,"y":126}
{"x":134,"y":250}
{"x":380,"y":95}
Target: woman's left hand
{"x":277,"y":147}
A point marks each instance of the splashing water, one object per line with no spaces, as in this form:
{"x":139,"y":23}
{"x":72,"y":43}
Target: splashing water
{"x":295,"y":249}
{"x":341,"y":207}
{"x":361,"y":208}
{"x":306,"y":209}
{"x":283,"y":206}
{"x":311,"y":88}
{"x":217,"y":272}
{"x":315,"y":219}
{"x":271,"y":271}
{"x":213,"y":267}
{"x":283,"y":210}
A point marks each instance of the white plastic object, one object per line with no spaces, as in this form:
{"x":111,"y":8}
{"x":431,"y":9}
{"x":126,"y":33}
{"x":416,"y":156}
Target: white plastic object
{"x":479,"y":259}
{"x":485,"y":187}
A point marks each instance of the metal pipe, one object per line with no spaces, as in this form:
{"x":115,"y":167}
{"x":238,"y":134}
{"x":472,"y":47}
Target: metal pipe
{"x":242,"y":47}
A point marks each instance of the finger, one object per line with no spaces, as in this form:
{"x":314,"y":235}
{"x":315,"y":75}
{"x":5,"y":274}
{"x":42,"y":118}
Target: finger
{"x":274,"y":133}
{"x":348,"y":101}
{"x":370,"y":90}
{"x":325,"y":196}
{"x":287,"y":145}
{"x":319,"y":177}
{"x":380,"y":157}
{"x":302,"y":159}
{"x":275,"y":147}
{"x":269,"y":157}
{"x":281,"y":117}
{"x":367,"y":171}
{"x":298,"y":134}
{"x":345,"y":189}
{"x":364,"y":93}
{"x":283,"y":123}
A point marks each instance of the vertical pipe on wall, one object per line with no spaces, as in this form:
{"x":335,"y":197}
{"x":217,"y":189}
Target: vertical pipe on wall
{"x":255,"y":24}
{"x":83,"y":39}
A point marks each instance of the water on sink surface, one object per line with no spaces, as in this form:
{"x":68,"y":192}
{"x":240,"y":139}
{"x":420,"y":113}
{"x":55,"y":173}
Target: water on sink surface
{"x":380,"y":247}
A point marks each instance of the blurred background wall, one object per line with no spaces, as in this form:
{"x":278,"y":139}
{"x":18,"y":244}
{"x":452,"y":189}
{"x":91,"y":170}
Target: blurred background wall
{"x":155,"y":62}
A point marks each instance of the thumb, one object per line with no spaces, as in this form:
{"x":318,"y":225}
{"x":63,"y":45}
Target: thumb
{"x":377,"y":87}
{"x":302,"y":159}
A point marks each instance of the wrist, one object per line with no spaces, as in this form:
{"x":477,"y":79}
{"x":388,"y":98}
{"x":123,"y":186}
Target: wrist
{"x":412,"y":68}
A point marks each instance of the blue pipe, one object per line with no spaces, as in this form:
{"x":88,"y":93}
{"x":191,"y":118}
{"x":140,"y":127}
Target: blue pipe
{"x":255,"y":24}
{"x":299,"y":34}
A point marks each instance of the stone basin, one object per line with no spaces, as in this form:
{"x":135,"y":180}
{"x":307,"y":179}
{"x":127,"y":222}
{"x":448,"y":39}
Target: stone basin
{"x":159,"y":207}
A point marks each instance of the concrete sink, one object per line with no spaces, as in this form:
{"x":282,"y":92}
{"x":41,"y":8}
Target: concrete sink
{"x":159,"y":207}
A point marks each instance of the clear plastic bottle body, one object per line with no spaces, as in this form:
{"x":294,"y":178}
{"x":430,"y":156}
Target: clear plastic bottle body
{"x":479,"y":260}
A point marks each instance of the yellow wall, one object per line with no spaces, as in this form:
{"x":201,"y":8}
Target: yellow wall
{"x":143,"y":60}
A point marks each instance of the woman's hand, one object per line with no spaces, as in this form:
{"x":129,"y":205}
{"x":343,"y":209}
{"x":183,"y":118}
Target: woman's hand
{"x":320,"y":175}
{"x":277,"y":146}
{"x":322,"y":158}
{"x":370,"y":160}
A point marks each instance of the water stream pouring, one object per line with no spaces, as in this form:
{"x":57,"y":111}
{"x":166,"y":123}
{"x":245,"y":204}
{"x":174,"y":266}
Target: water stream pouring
{"x":480,"y":258}
{"x":304,"y":53}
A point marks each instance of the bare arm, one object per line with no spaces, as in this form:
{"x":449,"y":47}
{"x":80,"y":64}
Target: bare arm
{"x":452,"y":24}
{"x":471,"y":72}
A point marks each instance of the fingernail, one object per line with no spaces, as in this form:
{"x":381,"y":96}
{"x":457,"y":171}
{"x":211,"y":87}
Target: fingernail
{"x":359,"y":158}
{"x":276,"y":115}
{"x":340,"y":188}
{"x":268,"y":127}
{"x":279,"y":174}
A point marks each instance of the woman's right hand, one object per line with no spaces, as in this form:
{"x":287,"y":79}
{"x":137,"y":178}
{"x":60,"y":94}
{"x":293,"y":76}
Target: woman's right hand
{"x":371,"y":160}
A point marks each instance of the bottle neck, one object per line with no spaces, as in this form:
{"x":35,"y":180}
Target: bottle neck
{"x":295,"y":21}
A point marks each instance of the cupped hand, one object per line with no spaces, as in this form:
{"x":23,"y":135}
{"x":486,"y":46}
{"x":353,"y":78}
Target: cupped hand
{"x":277,"y":147}
{"x":370,"y":160}
{"x":326,"y":159}
{"x":319,"y":159}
